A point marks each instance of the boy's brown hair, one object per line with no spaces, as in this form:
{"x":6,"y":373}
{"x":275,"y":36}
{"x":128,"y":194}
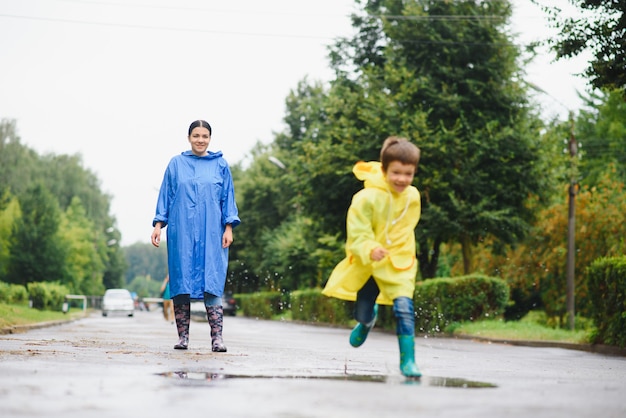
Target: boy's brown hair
{"x":399,"y":149}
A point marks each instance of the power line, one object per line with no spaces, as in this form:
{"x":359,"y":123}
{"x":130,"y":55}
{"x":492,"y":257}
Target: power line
{"x":223,"y":32}
{"x":148,"y":27}
{"x":199,"y":9}
{"x":257,"y":12}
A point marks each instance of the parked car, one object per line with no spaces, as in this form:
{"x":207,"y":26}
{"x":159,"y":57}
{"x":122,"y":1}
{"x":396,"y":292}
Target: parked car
{"x":118,"y":300}
{"x":228,"y":303}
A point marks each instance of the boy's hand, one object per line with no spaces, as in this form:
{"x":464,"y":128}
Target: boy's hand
{"x":378,"y":253}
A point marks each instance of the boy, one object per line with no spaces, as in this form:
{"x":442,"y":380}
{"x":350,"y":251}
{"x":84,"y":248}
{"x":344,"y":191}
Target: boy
{"x":380,"y":264}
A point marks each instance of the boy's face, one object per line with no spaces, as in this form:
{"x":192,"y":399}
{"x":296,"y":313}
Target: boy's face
{"x":399,"y":176}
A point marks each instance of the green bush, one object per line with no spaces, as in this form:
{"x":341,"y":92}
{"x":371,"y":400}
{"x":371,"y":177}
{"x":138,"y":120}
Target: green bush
{"x":13,"y":293}
{"x":47,"y":295}
{"x":438,"y":303}
{"x":606,"y":280}
{"x":311,"y":306}
{"x":443,"y":301}
{"x":262,"y":304}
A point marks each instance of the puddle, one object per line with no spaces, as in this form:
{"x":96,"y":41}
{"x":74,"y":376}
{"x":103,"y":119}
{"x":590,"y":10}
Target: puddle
{"x":202,"y":378}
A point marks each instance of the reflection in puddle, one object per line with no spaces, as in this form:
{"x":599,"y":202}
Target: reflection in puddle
{"x":450,"y":382}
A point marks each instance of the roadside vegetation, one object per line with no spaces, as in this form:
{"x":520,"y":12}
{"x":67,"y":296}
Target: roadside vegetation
{"x":18,"y":315}
{"x":532,"y":327}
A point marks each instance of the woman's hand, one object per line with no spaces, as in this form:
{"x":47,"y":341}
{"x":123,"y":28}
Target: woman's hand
{"x":156,"y":234}
{"x":227,"y":238}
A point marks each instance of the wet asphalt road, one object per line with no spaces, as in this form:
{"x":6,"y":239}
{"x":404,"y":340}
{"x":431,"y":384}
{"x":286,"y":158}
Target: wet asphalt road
{"x":123,"y":367}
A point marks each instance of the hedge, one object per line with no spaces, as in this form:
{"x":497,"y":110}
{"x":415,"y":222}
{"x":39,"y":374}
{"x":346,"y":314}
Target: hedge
{"x":438,"y":303}
{"x":47,"y":295}
{"x":443,"y":301}
{"x":262,"y":305}
{"x":13,"y":293}
{"x":606,"y":280}
{"x":311,"y":306}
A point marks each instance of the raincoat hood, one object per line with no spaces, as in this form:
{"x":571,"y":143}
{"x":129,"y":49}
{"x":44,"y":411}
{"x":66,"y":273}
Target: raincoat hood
{"x":371,"y":173}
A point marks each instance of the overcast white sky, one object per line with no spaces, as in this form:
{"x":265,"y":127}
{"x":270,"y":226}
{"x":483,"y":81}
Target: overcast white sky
{"x":119,"y":81}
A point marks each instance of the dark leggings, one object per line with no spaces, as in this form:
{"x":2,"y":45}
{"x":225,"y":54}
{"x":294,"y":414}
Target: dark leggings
{"x":403,"y":308}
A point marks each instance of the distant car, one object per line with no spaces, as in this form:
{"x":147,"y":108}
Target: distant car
{"x":118,"y":300}
{"x":228,"y":303}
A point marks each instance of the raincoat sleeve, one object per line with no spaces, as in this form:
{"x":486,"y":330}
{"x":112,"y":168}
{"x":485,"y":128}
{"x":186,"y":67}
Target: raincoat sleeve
{"x":361,"y":237}
{"x":166,"y":195}
{"x":230,"y":213}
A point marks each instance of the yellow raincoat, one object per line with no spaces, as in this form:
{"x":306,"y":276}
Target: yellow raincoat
{"x":378,"y":217}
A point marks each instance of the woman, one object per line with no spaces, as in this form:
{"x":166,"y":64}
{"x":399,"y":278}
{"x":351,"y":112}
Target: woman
{"x":197,"y":204}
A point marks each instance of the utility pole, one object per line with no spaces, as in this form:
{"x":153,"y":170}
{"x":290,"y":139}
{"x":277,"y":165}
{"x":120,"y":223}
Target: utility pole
{"x":571,"y":228}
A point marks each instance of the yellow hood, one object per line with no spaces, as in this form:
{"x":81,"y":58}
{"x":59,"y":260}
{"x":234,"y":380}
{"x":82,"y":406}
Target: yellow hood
{"x":371,"y":173}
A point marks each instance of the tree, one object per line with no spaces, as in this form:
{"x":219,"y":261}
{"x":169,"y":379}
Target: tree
{"x":602,"y":31}
{"x":265,"y":199}
{"x":18,"y":164}
{"x":535,"y":269}
{"x":445,"y":74}
{"x":145,"y":260}
{"x":9,"y":214}
{"x":115,"y":267}
{"x":65,"y":178}
{"x":85,"y":265}
{"x":36,"y":255}
{"x":601,"y":129}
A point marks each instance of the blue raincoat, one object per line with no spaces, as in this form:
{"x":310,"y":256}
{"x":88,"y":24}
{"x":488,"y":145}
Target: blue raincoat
{"x":196,"y":202}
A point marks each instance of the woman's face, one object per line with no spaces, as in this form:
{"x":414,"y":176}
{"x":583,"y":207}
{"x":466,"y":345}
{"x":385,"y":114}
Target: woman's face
{"x":199,"y":140}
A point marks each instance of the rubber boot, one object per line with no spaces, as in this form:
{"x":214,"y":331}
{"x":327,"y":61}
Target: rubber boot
{"x":182,"y":315}
{"x":407,"y":356}
{"x":215,"y":316}
{"x":360,"y":331}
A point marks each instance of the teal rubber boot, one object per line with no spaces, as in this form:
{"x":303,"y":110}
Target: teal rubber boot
{"x":359,"y":333}
{"x":407,"y":356}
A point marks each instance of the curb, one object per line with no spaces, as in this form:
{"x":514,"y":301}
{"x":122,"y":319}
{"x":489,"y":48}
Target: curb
{"x":19,"y":329}
{"x":589,"y":348}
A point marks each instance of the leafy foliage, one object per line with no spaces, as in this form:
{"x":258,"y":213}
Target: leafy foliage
{"x":601,"y":29}
{"x":54,"y":220}
{"x":145,"y":286}
{"x":144,"y":260}
{"x":450,"y":86}
{"x":601,"y":129}
{"x":607,"y":288}
{"x":9,"y":213}
{"x":442,"y":301}
{"x":47,"y":296}
{"x":535,"y":270}
{"x":35,"y":253}
{"x":84,"y":264}
{"x":13,"y":293}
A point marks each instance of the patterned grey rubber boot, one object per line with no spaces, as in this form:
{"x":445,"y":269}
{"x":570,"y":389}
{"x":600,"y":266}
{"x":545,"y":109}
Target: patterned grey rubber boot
{"x":182,"y":315}
{"x":215,"y":316}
